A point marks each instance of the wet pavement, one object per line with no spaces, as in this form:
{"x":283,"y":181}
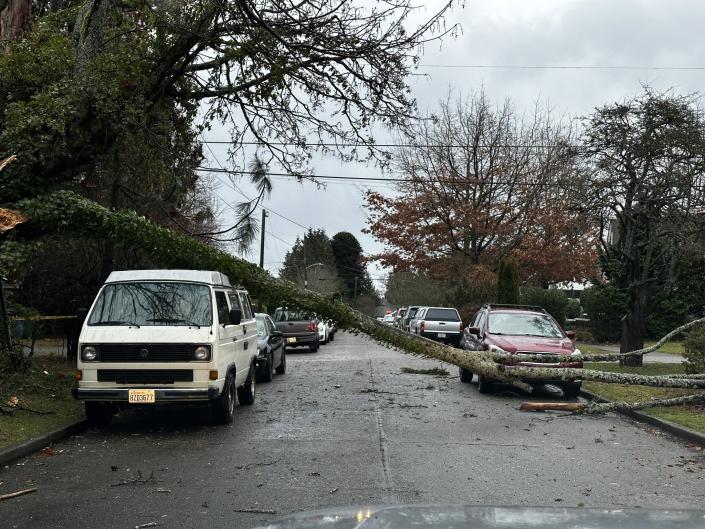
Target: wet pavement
{"x":346,"y":427}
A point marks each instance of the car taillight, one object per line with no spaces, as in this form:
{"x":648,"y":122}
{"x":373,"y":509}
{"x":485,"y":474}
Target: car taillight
{"x":422,"y":326}
{"x":312,"y":326}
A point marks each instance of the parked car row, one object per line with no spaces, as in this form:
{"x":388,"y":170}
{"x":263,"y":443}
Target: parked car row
{"x":517,"y":330}
{"x":161,"y":336}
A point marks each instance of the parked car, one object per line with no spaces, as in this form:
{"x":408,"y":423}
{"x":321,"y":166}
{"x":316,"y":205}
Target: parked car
{"x":521,"y":330}
{"x":410,"y":313}
{"x":270,"y":348}
{"x":414,"y":322}
{"x":388,"y":319}
{"x":159,"y":336}
{"x":441,"y":324}
{"x":323,"y":332}
{"x":299,"y":328}
{"x":398,"y":315}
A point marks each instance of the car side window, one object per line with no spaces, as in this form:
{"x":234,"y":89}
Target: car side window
{"x":246,"y":308}
{"x":481,"y":322}
{"x":270,"y":325}
{"x":222,"y":305}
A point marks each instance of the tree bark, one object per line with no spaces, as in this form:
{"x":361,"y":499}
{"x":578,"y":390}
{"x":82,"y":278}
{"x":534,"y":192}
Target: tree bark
{"x":633,"y":326}
{"x":15,"y":18}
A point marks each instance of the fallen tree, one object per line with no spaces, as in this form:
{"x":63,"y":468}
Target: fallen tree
{"x":67,"y":214}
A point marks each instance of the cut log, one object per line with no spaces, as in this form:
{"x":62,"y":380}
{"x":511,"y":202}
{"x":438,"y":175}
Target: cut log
{"x":551,"y":406}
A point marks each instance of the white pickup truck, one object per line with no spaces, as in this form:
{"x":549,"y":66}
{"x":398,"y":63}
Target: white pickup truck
{"x":439,"y":323}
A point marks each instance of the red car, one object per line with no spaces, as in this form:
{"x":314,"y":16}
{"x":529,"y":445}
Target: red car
{"x":520,"y":330}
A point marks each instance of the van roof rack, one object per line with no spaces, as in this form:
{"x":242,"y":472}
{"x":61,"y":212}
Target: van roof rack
{"x":535,"y":308}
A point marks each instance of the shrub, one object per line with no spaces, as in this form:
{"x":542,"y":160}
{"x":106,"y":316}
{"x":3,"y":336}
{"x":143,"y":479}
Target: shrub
{"x":670,"y":313}
{"x":573,"y":309}
{"x":554,"y":301}
{"x":508,"y":282}
{"x":694,"y":345}
{"x":605,"y":305}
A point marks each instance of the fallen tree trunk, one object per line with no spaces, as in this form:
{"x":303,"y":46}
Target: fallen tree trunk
{"x":69,"y":214}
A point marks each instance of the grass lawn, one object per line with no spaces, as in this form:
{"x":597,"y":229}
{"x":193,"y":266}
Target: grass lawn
{"x":691,"y":416}
{"x":674,"y":347}
{"x":45,"y":388}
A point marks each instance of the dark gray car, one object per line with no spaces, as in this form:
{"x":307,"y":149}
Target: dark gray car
{"x":270,"y":349}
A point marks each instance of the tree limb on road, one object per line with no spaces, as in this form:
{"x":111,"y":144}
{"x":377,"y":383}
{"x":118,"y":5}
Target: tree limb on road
{"x":70,"y":215}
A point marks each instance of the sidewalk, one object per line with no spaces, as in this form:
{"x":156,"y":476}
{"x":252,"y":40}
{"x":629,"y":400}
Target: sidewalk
{"x":655,"y":357}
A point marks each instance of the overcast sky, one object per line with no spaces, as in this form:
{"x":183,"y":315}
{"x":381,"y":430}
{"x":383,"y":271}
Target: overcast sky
{"x":528,"y":33}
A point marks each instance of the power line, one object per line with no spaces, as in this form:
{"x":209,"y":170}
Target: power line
{"x":562,"y":67}
{"x":391,"y":145}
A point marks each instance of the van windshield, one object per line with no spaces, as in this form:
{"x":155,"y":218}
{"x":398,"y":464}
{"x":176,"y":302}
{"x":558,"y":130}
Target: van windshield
{"x":153,"y":303}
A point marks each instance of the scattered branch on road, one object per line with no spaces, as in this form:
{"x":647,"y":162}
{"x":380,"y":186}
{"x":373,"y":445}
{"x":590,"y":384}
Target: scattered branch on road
{"x":595,"y":408}
{"x":256,"y":511}
{"x":150,"y":524}
{"x":138,"y":479}
{"x":545,"y":406}
{"x":11,"y":495}
{"x":437,"y":371}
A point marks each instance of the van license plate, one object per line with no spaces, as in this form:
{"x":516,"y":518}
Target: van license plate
{"x":441,"y":335}
{"x":140,"y":396}
{"x":291,"y":339}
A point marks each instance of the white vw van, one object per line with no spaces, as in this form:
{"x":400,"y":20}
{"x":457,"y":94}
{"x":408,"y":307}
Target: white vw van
{"x":159,"y":336}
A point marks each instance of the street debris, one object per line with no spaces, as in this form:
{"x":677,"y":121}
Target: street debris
{"x":11,"y":495}
{"x":150,"y":524}
{"x":551,"y":406}
{"x":436,"y":371}
{"x":333,"y":491}
{"x":256,"y":511}
{"x":138,"y":479}
{"x":249,"y":466}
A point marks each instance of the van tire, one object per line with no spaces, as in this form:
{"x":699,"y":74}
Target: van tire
{"x":484,"y":384}
{"x":223,"y":408}
{"x":465,"y":375}
{"x":247,"y":392}
{"x":281,"y":368}
{"x":99,"y":413}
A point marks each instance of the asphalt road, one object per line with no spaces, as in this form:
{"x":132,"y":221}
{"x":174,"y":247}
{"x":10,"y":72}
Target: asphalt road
{"x":345,"y":426}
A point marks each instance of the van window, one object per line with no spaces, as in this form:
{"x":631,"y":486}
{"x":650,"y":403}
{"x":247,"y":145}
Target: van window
{"x":246,"y":308}
{"x":234,"y":301}
{"x":223,"y":310}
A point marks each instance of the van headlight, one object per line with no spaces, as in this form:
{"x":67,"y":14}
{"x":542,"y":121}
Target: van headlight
{"x":202,"y":352}
{"x":89,"y":353}
{"x":498,"y":350}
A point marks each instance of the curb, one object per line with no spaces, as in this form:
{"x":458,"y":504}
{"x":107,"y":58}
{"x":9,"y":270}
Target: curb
{"x":9,"y":455}
{"x":681,"y":432}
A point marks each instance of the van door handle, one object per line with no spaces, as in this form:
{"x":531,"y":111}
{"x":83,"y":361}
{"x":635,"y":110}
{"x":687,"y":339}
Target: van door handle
{"x":246,"y":344}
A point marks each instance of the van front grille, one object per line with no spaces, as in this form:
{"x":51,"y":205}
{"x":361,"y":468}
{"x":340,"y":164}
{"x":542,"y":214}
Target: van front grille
{"x":145,"y":376}
{"x":163,"y":352}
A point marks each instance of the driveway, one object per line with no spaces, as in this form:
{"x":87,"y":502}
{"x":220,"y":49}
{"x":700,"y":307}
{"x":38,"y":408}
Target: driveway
{"x":345,"y":426}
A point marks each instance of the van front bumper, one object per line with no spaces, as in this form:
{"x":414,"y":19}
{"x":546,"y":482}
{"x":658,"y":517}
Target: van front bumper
{"x":160,"y":394}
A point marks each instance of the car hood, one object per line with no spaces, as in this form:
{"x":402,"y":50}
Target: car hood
{"x":146,"y":334}
{"x":459,"y":517}
{"x":532,"y":344}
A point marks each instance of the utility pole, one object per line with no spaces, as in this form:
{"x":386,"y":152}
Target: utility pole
{"x":261,"y":239}
{"x":305,"y":267}
{"x":5,"y":317}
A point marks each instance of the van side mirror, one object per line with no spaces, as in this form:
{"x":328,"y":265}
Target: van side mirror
{"x":235,"y":316}
{"x":474,"y":331}
{"x":570,"y":335}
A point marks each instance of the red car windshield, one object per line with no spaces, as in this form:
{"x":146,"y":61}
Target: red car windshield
{"x":521,"y":324}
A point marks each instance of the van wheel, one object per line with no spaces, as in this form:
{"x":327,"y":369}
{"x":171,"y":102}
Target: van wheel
{"x":484,"y":384}
{"x":281,"y":368}
{"x":99,"y":413}
{"x":246,"y":393}
{"x":465,"y":375}
{"x":223,"y":408}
